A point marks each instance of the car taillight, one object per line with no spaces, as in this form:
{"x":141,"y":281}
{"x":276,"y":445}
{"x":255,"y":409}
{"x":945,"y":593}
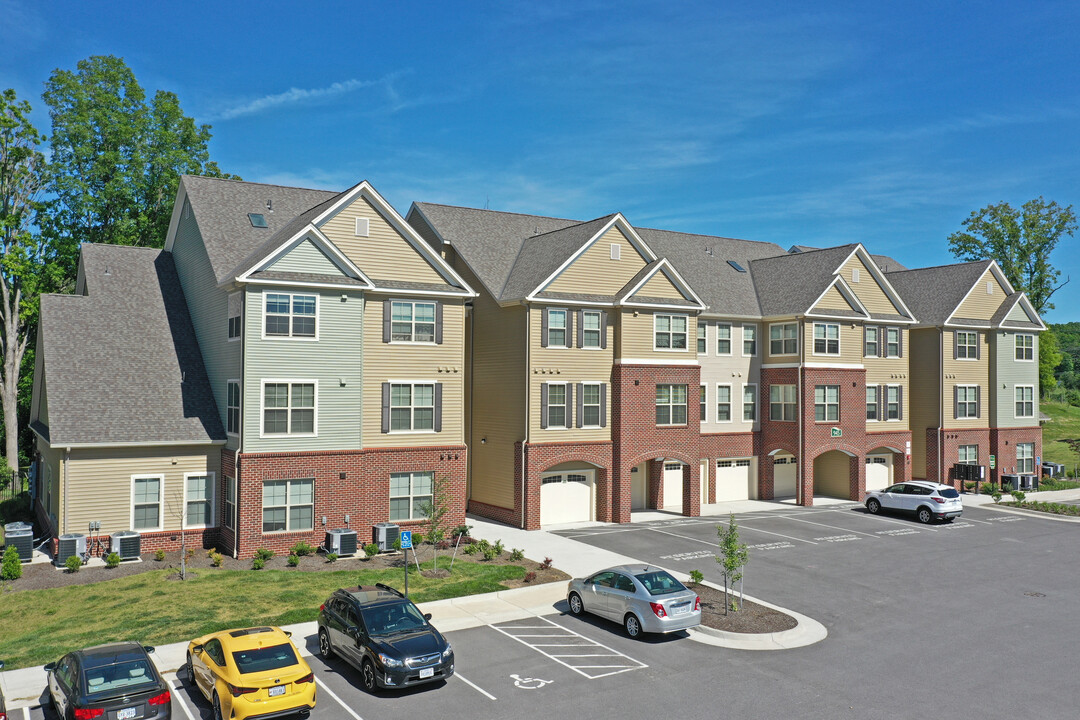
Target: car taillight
{"x":697,"y":604}
{"x":939,"y":500}
{"x":310,"y":677}
{"x":238,"y":691}
{"x":658,"y":609}
{"x":322,"y":607}
{"x":88,"y":713}
{"x":162,"y":699}
{"x":3,"y":715}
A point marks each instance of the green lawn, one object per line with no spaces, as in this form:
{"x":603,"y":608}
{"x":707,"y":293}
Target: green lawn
{"x":41,"y":625}
{"x":1064,"y":423}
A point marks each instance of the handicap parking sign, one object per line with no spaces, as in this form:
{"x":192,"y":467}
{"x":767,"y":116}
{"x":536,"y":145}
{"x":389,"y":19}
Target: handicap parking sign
{"x":406,"y":539}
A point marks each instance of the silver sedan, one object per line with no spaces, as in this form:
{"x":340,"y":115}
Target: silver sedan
{"x":641,"y":597}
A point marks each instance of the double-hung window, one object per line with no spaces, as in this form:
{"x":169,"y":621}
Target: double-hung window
{"x":290,"y":315}
{"x":412,"y":321}
{"x":236,"y":305}
{"x":591,"y":328}
{"x":590,"y":405}
{"x":968,"y":455}
{"x":199,"y":498}
{"x":289,"y":408}
{"x":782,"y":402}
{"x":872,"y":402}
{"x":723,"y":403}
{"x":749,"y":403}
{"x":1025,"y":458}
{"x":556,"y":405}
{"x":892,"y":402}
{"x":892,"y":342}
{"x":967,"y":345}
{"x":1025,"y":401}
{"x":826,"y":403}
{"x":723,"y":338}
{"x":870,"y":341}
{"x":412,"y":407}
{"x":288,"y":505}
{"x":410,"y":492}
{"x":557,"y":335}
{"x":826,"y":339}
{"x":670,"y":404}
{"x":146,"y":497}
{"x":1025,"y":347}
{"x":784,"y":339}
{"x":702,"y":341}
{"x":749,"y":340}
{"x":669,"y":332}
{"x":230,"y":503}
{"x":232,"y":408}
{"x":967,"y":401}
{"x":704,"y":404}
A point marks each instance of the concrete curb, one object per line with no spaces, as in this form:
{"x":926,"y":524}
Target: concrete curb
{"x":807,"y":632}
{"x":1032,"y":513}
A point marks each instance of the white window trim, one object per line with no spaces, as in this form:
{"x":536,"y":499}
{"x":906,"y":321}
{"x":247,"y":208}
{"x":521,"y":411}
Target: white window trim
{"x":797,"y":339}
{"x":160,"y":477}
{"x":434,"y":322}
{"x":1030,"y":458}
{"x":288,"y":506}
{"x":757,"y":339}
{"x":672,"y":405}
{"x":565,"y":406}
{"x":730,"y":404}
{"x":290,"y":337}
{"x":241,"y":316}
{"x":899,"y":404}
{"x":877,"y":342}
{"x":704,"y":401}
{"x":974,"y":402}
{"x":230,"y":482}
{"x":433,"y":383}
{"x":568,"y":342}
{"x":1015,"y":339}
{"x":240,"y":407}
{"x":410,"y":496}
{"x":599,"y":404}
{"x":877,"y":403}
{"x":956,"y":339}
{"x":262,"y":408}
{"x":755,"y":403}
{"x":1030,"y":387}
{"x":899,"y":342}
{"x":839,"y":349}
{"x":826,"y":404}
{"x":657,"y":316}
{"x":602,"y":330}
{"x":783,"y":403}
{"x":213,"y":500}
{"x":967,"y":462}
{"x":730,"y":339}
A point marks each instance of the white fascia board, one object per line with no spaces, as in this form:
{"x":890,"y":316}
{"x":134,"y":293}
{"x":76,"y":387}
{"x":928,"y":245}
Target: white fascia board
{"x":677,"y":281}
{"x":662,"y":306}
{"x":979,"y":326}
{"x":725,"y":316}
{"x":882,"y":281}
{"x":1029,"y":309}
{"x":1000,"y":275}
{"x":174,"y":221}
{"x":163,"y":443}
{"x":843,"y":289}
{"x":313,"y":234}
{"x":402,"y":292}
{"x":562,"y":301}
{"x":304,"y":284}
{"x":416,"y":208}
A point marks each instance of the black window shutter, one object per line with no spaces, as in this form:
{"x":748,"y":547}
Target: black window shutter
{"x":978,"y":401}
{"x":978,"y":349}
{"x":900,"y":402}
{"x":900,"y":340}
{"x":386,"y":407}
{"x":580,"y":328}
{"x":883,"y":402}
{"x":569,"y":404}
{"x":438,"y":323}
{"x":543,"y":331}
{"x":864,"y":332}
{"x":569,"y":331}
{"x":580,"y":404}
{"x":603,"y":404}
{"x":543,"y":402}
{"x":386,"y":321}
{"x":956,"y":402}
{"x":955,"y":344}
{"x":603,"y":331}
{"x":438,"y":407}
{"x":882,"y":342}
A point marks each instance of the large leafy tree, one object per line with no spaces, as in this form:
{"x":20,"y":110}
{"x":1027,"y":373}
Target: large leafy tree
{"x":1021,"y":241}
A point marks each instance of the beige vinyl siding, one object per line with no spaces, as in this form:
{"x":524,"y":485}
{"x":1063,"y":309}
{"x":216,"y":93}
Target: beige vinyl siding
{"x":892,"y":371}
{"x":765,"y":330}
{"x":595,"y":272}
{"x":833,"y":299}
{"x":567,"y":365}
{"x":388,"y":362}
{"x":871,"y":294}
{"x":924,"y":357}
{"x":979,"y":305}
{"x":100,"y":488}
{"x":635,"y":337}
{"x":966,"y":372}
{"x":851,"y":339}
{"x":306,"y":258}
{"x":660,"y":286}
{"x":384,"y":254}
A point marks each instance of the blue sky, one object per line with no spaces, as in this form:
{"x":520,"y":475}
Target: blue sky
{"x":795,"y":123}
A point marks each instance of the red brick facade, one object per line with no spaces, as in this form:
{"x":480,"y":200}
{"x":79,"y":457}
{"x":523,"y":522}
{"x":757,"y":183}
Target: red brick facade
{"x":999,"y":442}
{"x":1003,"y":442}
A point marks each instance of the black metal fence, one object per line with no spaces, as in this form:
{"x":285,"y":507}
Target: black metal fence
{"x":12,"y":484}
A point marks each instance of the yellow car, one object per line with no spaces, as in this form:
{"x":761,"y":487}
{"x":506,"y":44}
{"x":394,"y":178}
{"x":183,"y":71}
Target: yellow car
{"x":251,"y":673}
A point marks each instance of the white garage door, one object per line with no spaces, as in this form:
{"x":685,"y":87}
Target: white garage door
{"x":566,"y":498}
{"x":673,"y":474}
{"x":878,"y":472}
{"x":785,"y":472}
{"x":733,"y":479}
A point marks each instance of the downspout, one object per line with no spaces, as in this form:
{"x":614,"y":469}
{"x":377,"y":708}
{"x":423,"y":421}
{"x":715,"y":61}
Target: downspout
{"x":470,"y":313}
{"x":528,"y":410}
{"x":240,"y":435}
{"x":799,"y":409}
{"x":67,"y":459}
{"x":941,"y":405}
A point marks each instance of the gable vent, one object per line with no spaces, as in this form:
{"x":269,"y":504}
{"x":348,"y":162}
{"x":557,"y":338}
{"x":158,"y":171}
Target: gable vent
{"x":363,"y":227}
{"x":854,"y":275}
{"x":989,"y":288}
{"x":616,"y":251}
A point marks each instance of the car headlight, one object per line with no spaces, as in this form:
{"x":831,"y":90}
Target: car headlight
{"x":447,"y":652}
{"x":391,"y":662}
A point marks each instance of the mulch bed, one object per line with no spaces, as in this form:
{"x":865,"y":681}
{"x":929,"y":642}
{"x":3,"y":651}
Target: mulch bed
{"x":751,"y":617}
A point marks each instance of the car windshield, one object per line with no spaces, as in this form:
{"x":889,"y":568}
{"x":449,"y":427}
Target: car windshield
{"x":659,"y":582}
{"x":948,"y":493}
{"x":393,"y":618}
{"x":265,"y":658}
{"x":119,"y":678}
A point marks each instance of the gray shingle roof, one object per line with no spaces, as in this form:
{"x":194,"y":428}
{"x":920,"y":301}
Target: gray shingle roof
{"x":790,"y":284}
{"x":934,"y":293}
{"x":122,"y":363}
{"x":541,"y":255}
{"x":289,"y":276}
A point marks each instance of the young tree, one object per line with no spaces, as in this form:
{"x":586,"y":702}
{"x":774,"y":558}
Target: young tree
{"x":436,"y":512}
{"x":733,"y":558}
{"x":1021,"y":241}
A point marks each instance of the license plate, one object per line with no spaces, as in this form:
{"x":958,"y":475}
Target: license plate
{"x":126,"y":713}
{"x":275,"y":691}
{"x":427,"y":672}
{"x":680,"y":609}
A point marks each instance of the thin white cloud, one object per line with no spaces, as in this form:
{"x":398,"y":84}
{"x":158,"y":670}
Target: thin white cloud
{"x":292,"y":96}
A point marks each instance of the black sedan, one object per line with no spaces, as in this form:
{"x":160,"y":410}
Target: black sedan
{"x":112,"y":682}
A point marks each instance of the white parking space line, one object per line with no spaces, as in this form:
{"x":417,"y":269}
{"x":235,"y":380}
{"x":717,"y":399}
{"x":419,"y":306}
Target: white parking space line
{"x":617,"y":661}
{"x":340,"y":702}
{"x":769,"y":532}
{"x":180,"y":699}
{"x":474,"y":686}
{"x":833,"y":527}
{"x":984,"y":522}
{"x":907,"y":523}
{"x":26,"y":713}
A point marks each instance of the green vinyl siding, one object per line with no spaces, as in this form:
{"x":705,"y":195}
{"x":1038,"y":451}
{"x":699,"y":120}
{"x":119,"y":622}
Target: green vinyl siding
{"x":333,"y":362}
{"x":1006,"y":372}
{"x":306,"y":258}
{"x":209,"y":308}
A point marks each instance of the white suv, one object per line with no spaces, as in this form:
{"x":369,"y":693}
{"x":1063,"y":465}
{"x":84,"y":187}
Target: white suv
{"x":928,"y":500}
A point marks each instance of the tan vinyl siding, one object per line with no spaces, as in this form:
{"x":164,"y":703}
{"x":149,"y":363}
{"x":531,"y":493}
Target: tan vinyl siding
{"x":870,"y":293}
{"x":595,"y":272}
{"x":306,"y":258}
{"x":635,"y":338}
{"x":851,"y":347}
{"x":389,"y":362}
{"x":100,"y":487}
{"x":833,"y":300}
{"x":892,"y":371}
{"x":660,"y":286}
{"x":766,"y":347}
{"x":567,"y":365}
{"x":925,"y":362}
{"x":979,"y":305}
{"x":966,"y":372}
{"x":384,"y":254}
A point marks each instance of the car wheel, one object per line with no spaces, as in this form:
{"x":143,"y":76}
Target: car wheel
{"x":576,"y":606}
{"x":190,"y":671}
{"x":217,"y":708}
{"x":632,"y":625}
{"x":367,"y":676}
{"x":925,"y":516}
{"x":325,"y":648}
{"x":873,"y":506}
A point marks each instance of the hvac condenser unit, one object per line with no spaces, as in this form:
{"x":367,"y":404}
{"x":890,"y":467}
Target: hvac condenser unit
{"x":20,"y":535}
{"x":127,"y":544}
{"x":70,"y":544}
{"x":341,"y":542}
{"x":384,"y":535}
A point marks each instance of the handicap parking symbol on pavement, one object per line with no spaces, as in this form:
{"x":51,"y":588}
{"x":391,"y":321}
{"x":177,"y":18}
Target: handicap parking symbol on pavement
{"x":526,"y":683}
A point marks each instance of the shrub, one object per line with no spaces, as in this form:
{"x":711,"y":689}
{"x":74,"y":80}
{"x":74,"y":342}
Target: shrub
{"x":490,"y":552}
{"x":517,"y":555}
{"x":397,"y":544}
{"x":696,"y":576}
{"x":257,"y":563}
{"x":546,"y":564}
{"x":11,"y":568}
{"x":264,"y":554}
{"x":371,"y":550}
{"x":471,"y":549}
{"x":987,"y":488}
{"x":190,"y":553}
{"x":301,"y":549}
{"x":331,"y":557}
{"x":530,"y":576}
{"x":969,"y":486}
{"x":417,"y":539}
{"x":112,"y":560}
{"x":997,"y":496}
{"x":73,"y":564}
{"x":293,"y":560}
{"x":216,"y":559}
{"x":1018,"y":495}
{"x":210,"y":553}
{"x":498,"y":547}
{"x":159,"y":555}
{"x":460,"y":530}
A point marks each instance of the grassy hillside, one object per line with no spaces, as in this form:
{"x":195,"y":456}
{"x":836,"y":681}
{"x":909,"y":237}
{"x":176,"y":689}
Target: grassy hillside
{"x":1064,"y":423}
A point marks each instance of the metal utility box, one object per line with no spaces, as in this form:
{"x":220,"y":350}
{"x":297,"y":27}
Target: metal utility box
{"x":21,"y":536}
{"x":68,"y":545}
{"x":341,"y":542}
{"x":385,"y":535}
{"x":127,"y":544}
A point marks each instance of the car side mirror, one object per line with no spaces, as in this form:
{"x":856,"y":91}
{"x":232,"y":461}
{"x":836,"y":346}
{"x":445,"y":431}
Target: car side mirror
{"x":353,"y":631}
{"x":427,"y":616}
{"x":50,"y":667}
{"x":197,"y":649}
{"x":148,"y":649}
{"x":288,"y":633}
{"x":1,"y":664}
